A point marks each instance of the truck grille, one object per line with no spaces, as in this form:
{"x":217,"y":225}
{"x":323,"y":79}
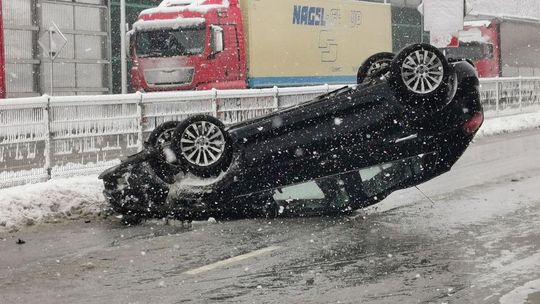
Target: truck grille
{"x":169,"y":76}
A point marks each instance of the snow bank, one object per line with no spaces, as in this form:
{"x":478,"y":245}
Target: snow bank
{"x":509,"y":124}
{"x":30,"y":204}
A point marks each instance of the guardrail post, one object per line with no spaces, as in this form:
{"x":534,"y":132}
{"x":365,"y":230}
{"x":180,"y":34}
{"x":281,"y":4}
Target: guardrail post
{"x":497,"y":97}
{"x":214,"y":103}
{"x":48,"y":139}
{"x":140,"y":127}
{"x":276,"y":98}
{"x":520,"y":93}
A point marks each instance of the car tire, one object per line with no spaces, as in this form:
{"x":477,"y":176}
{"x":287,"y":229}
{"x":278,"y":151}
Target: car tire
{"x":161,"y":138}
{"x":374,"y":65}
{"x":162,"y":134}
{"x":421,"y":77}
{"x":202,"y":146}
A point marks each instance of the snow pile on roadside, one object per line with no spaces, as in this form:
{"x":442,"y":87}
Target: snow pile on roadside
{"x":28,"y":204}
{"x":509,"y":124}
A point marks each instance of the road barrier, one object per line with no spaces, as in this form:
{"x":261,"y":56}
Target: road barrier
{"x":47,"y":137}
{"x":508,"y":96}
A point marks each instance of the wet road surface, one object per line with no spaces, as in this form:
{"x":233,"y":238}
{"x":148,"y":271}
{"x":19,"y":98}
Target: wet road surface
{"x":478,"y":241}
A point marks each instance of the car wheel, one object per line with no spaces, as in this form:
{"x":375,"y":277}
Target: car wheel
{"x":202,"y":145}
{"x":375,"y":65}
{"x":421,"y":77}
{"x":161,"y":138}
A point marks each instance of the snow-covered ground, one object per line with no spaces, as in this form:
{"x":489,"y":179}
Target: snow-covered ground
{"x":69,"y":197}
{"x":509,"y":124}
{"x":82,"y":196}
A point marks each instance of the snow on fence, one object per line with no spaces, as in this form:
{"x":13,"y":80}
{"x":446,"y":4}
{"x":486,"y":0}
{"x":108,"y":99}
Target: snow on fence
{"x":507,"y":96}
{"x":47,"y":137}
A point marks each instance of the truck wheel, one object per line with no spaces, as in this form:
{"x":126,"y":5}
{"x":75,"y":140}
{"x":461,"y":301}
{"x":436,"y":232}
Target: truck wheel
{"x":161,"y":138}
{"x":202,"y":145}
{"x":375,"y":65}
{"x":421,"y":77}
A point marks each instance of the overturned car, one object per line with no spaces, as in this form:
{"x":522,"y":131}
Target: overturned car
{"x":409,"y":119}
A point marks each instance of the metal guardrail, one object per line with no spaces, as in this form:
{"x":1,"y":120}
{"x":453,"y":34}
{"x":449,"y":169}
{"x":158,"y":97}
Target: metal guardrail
{"x":47,"y":137}
{"x":508,"y":96}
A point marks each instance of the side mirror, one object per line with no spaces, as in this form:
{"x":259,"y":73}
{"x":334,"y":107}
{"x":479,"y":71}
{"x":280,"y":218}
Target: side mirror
{"x":128,"y":42}
{"x":217,"y":39}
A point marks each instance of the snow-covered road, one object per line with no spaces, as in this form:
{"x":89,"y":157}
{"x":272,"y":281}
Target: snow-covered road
{"x":477,"y":243}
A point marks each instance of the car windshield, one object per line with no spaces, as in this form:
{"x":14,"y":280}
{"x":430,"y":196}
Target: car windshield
{"x":337,"y":191}
{"x":168,"y":43}
{"x":472,"y":51}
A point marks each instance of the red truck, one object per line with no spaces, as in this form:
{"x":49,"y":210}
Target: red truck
{"x":500,"y":47}
{"x":234,"y":44}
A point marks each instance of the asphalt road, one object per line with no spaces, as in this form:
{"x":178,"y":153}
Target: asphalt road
{"x":475,"y":243}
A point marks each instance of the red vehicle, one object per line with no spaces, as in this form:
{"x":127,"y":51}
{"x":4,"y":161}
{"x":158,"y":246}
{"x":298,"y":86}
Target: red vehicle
{"x":234,"y":44}
{"x":159,"y":63}
{"x":501,"y":47}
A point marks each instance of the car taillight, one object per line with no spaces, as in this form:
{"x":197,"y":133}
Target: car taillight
{"x":473,"y":124}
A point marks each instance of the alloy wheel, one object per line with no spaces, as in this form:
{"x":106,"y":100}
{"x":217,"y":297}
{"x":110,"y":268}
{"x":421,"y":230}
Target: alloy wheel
{"x":202,"y":143}
{"x":377,"y":66}
{"x":164,"y":139}
{"x":422,"y":71}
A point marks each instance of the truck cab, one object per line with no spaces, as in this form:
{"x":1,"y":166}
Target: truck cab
{"x":479,"y":42}
{"x":235,"y":44}
{"x":188,"y":45}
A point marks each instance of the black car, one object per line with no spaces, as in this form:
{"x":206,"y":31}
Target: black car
{"x":409,"y":119}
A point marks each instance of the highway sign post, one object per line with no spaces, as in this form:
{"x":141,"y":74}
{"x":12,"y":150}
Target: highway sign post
{"x":52,"y":43}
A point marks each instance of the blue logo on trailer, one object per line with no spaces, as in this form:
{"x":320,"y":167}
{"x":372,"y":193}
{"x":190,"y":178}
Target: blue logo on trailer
{"x":308,"y":15}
